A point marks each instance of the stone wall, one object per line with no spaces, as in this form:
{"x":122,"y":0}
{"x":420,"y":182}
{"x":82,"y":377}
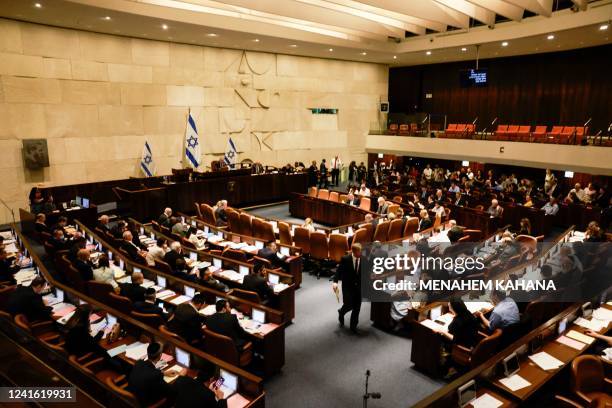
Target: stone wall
{"x":96,"y":98}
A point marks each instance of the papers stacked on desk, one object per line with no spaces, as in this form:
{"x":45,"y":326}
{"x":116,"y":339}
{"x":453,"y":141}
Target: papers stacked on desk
{"x":478,"y":306}
{"x":575,"y":344}
{"x":215,"y":239}
{"x":237,"y":401}
{"x":66,"y":317}
{"x":180,"y":299}
{"x":602,"y":314}
{"x":583,"y":338}
{"x":486,"y":401}
{"x":238,"y":245}
{"x":250,"y":248}
{"x":514,"y":382}
{"x":595,"y":325}
{"x":25,"y":276}
{"x":165,"y":294}
{"x":279,"y":287}
{"x":11,"y":248}
{"x":125,"y":279}
{"x":7,"y":235}
{"x":231,"y":275}
{"x":208,"y":310}
{"x":177,"y":368}
{"x":136,"y":351}
{"x":433,"y":325}
{"x":545,"y":361}
{"x":202,"y":265}
{"x":117,"y":350}
{"x":147,"y":283}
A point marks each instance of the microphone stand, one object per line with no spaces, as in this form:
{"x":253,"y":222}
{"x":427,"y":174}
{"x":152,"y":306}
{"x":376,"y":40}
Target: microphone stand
{"x":10,"y":209}
{"x":367,"y":395}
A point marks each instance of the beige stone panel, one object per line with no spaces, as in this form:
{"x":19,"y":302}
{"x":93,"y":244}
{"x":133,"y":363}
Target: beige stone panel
{"x":230,"y":121}
{"x":22,"y":121}
{"x":261,"y":63}
{"x":67,"y":173}
{"x":288,"y":99}
{"x":367,"y":72}
{"x":247,"y":96}
{"x":56,"y":68}
{"x":164,"y":120}
{"x":184,"y":76}
{"x":143,"y":94}
{"x":20,"y":65}
{"x":11,"y":153}
{"x":12,"y":182}
{"x":89,"y":70}
{"x":164,"y":145}
{"x":89,"y":93}
{"x":323,"y":100}
{"x":111,"y":169}
{"x":104,"y":48}
{"x":263,"y":156}
{"x":71,"y":121}
{"x":146,"y":52}
{"x":214,"y":143}
{"x":127,"y":147}
{"x":221,"y":59}
{"x":120,"y":120}
{"x":129,"y":73}
{"x":34,"y":90}
{"x":186,"y":56}
{"x":208,"y":121}
{"x":329,"y":85}
{"x":218,"y":97}
{"x":49,"y":41}
{"x":362,"y":101}
{"x":10,"y":36}
{"x":287,"y":65}
{"x":185,"y":95}
{"x":324,"y":122}
{"x":57,"y":151}
{"x":90,"y":149}
{"x":6,"y":216}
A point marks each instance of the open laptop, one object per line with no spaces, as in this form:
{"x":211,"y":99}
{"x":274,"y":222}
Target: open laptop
{"x":230,"y":383}
{"x":467,"y":393}
{"x":511,"y":365}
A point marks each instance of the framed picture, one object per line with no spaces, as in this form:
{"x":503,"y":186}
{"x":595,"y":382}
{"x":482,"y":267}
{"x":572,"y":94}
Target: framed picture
{"x":35,"y":153}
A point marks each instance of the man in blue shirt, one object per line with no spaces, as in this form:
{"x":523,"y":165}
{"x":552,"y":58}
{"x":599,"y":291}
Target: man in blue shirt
{"x":504,"y":314}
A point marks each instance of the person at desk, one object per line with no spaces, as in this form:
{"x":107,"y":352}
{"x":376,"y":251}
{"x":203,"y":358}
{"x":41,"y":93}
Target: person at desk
{"x":257,"y":168}
{"x":146,"y":381}
{"x":525,"y":227}
{"x":256,"y":282}
{"x":61,"y":225}
{"x":134,"y":252}
{"x":79,"y":340}
{"x":40,"y":225}
{"x":133,"y":290}
{"x":28,"y":300}
{"x":176,"y":252}
{"x":225,"y":323}
{"x":104,"y":224}
{"x":495,"y":210}
{"x":504,"y":314}
{"x":118,"y":230}
{"x":221,"y":213}
{"x":77,"y":244}
{"x":463,"y":329}
{"x":159,"y":250}
{"x":36,"y":200}
{"x":181,"y":270}
{"x":208,"y":279}
{"x":323,"y":174}
{"x":178,"y":227}
{"x":187,"y":321}
{"x":349,"y":272}
{"x":191,"y":393}
{"x":164,"y":219}
{"x":383,"y":207}
{"x":7,"y":268}
{"x":425,"y":221}
{"x":364,"y":191}
{"x":551,"y":207}
{"x":308,"y":224}
{"x":148,"y":305}
{"x":508,"y":248}
{"x":459,"y":200}
{"x":352,"y":200}
{"x":83,"y":264}
{"x":58,"y":241}
{"x":312,"y":174}
{"x":192,"y":236}
{"x":104,"y":273}
{"x":270,"y":252}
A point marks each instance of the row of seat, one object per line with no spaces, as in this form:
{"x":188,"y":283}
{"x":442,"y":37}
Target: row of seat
{"x":459,"y":131}
{"x":557,"y":134}
{"x":324,"y":194}
{"x":403,"y":130}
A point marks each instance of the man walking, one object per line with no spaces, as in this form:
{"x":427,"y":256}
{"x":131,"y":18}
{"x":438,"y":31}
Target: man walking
{"x":349,"y":272}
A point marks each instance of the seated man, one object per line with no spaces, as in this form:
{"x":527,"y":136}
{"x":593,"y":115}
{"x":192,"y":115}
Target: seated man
{"x":495,"y":210}
{"x":134,"y":252}
{"x":352,"y":200}
{"x":58,"y":241}
{"x":77,"y":244}
{"x":40,"y":224}
{"x":176,"y":252}
{"x":61,"y":224}
{"x":504,"y":314}
{"x":146,"y":381}
{"x":118,"y":230}
{"x":7,"y":268}
{"x":207,"y":279}
{"x":103,"y":223}
{"x":28,"y":300}
{"x":158,"y":251}
{"x":551,"y":207}
{"x":181,"y":270}
{"x":134,"y":291}
{"x":164,"y":219}
{"x":270,"y":252}
{"x":383,"y":207}
{"x":178,"y":227}
{"x":148,"y":306}
{"x":425,"y":221}
{"x":84,"y":265}
{"x":225,"y":323}
{"x":221,"y":213}
{"x":256,"y":282}
{"x":187,"y":321}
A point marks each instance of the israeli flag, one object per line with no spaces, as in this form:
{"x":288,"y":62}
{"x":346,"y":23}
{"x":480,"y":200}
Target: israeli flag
{"x":192,"y":144}
{"x":147,"y":165}
{"x":230,"y":153}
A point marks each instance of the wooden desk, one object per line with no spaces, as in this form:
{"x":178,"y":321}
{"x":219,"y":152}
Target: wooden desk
{"x":326,"y":212}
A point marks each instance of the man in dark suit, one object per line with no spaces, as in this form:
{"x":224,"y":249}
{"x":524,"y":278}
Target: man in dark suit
{"x":40,"y":225}
{"x":207,"y":279}
{"x":58,"y":241}
{"x":323,"y":175}
{"x":118,"y":230}
{"x":187,"y":321}
{"x":103,"y":223}
{"x":61,"y":224}
{"x":77,"y":244}
{"x":459,"y":200}
{"x":225,"y":323}
{"x":7,"y":268}
{"x":255,"y":282}
{"x":190,"y":393}
{"x":352,"y":200}
{"x":28,"y":300}
{"x":134,"y":291}
{"x":84,"y":265}
{"x":148,"y":306}
{"x":221,"y":213}
{"x":146,"y":381}
{"x":270,"y":252}
{"x":175,"y":253}
{"x":349,"y":272}
{"x":136,"y":254}
{"x":164,"y":219}
{"x":425,"y":221}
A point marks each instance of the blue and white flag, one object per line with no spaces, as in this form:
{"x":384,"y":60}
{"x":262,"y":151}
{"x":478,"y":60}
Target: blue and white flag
{"x":147,"y":165}
{"x":230,"y":153}
{"x":192,"y":144}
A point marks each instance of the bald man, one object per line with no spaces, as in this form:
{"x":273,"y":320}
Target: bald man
{"x":134,"y":291}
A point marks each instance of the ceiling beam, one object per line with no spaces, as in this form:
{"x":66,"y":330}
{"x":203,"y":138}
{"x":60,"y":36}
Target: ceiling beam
{"x":582,"y":4}
{"x":427,"y":9}
{"x":481,"y":14}
{"x":502,"y":8}
{"x":542,"y":7}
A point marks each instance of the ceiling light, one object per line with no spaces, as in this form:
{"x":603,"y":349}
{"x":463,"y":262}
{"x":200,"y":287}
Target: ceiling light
{"x":212,"y":35}
{"x":550,"y":37}
{"x":107,"y":18}
{"x":395,"y":57}
{"x":256,"y":40}
{"x":293,"y":45}
{"x":364,"y":53}
{"x":37,"y":5}
{"x":331,"y":49}
{"x":428,"y":53}
{"x":165,"y":26}
{"x":464,"y":49}
{"x":505,"y":44}
{"x":603,"y":27}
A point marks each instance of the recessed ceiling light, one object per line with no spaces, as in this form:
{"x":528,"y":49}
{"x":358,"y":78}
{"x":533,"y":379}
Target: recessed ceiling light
{"x":505,"y":44}
{"x":428,"y":53}
{"x":550,"y":37}
{"x":331,"y":49}
{"x":37,"y":5}
{"x":603,"y":27}
{"x":395,"y":57}
{"x":165,"y":26}
{"x":256,"y":40}
{"x":464,"y":49}
{"x":107,"y":18}
{"x":212,"y":35}
{"x":293,"y":45}
{"x":364,"y":53}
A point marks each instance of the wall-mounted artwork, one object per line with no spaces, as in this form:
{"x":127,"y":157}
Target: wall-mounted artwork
{"x":35,"y":153}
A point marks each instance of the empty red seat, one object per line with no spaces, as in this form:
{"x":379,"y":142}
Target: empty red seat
{"x":512,"y":132}
{"x":461,"y":129}
{"x":469,"y":130}
{"x":539,"y":134}
{"x":404,"y":130}
{"x":566,"y":135}
{"x":523,"y":134}
{"x":553,"y":135}
{"x":393,"y":129}
{"x":581,"y":133}
{"x":500,"y":133}
{"x":450,"y":130}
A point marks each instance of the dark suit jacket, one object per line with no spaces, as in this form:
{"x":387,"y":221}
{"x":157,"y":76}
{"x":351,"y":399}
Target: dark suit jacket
{"x":227,"y":324}
{"x":424,"y":224}
{"x":133,"y":291}
{"x":221,"y":216}
{"x":191,"y":393}
{"x":85,"y":269}
{"x":80,"y":342}
{"x":149,"y":308}
{"x":59,"y":245}
{"x":147,"y":383}
{"x":271,"y":256}
{"x":8,"y":270}
{"x":39,"y":227}
{"x":187,"y":322}
{"x":131,"y":250}
{"x":256,"y":283}
{"x":171,"y":257}
{"x":164,"y":220}
{"x":103,"y":227}
{"x":25,"y":300}
{"x":351,"y":279}
{"x":354,"y":202}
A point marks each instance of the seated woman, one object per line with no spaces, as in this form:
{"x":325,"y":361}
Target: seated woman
{"x":104,"y":273}
{"x":525,"y":227}
{"x":308,"y":225}
{"x":463,"y":329}
{"x":79,"y":340}
{"x":200,"y":243}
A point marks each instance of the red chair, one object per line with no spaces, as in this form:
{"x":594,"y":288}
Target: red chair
{"x":553,"y":135}
{"x":393,"y":129}
{"x":501,"y":131}
{"x":512,"y":132}
{"x":539,"y":134}
{"x":523,"y":134}
{"x":404,"y":130}
{"x":566,"y":135}
{"x":461,"y":129}
{"x":450,"y":130}
{"x":469,"y":130}
{"x":581,"y":132}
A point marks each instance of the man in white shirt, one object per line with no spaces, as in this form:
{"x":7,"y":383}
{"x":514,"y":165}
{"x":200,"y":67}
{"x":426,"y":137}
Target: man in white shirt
{"x":158,"y":250}
{"x":364,"y":191}
{"x":428,"y":172}
{"x":551,"y":207}
{"x":578,"y":191}
{"x":336,"y":165}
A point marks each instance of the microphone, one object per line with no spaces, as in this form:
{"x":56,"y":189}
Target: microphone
{"x":425,"y":120}
{"x":494,"y":121}
{"x":587,"y":122}
{"x":475,"y":120}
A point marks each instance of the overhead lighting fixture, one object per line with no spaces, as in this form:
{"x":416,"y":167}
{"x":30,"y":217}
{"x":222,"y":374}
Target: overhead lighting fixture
{"x":550,"y":37}
{"x":395,"y":57}
{"x":364,"y":53}
{"x":37,"y":5}
{"x":505,"y":44}
{"x":428,"y":53}
{"x":107,"y":18}
{"x":293,"y":45}
{"x":212,"y":35}
{"x":256,"y":40}
{"x":165,"y":26}
{"x":464,"y":49}
{"x":331,"y":50}
{"x":603,"y":27}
